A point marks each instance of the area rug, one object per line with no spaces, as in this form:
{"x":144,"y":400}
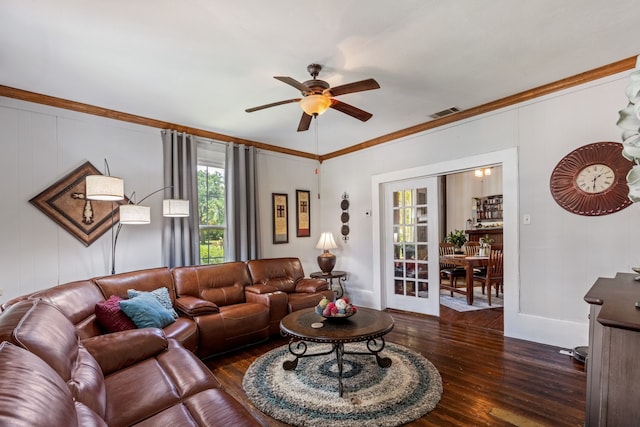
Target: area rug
{"x":373,"y":396}
{"x":459,"y":302}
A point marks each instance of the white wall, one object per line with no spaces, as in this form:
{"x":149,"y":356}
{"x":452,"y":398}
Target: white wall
{"x":39,"y":146}
{"x":560,"y":254}
{"x":280,"y":173}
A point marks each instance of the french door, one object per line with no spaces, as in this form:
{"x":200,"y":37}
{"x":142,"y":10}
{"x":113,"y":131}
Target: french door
{"x":410,"y":239}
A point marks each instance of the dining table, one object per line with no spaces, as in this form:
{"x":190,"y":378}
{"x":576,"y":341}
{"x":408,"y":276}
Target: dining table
{"x":469,"y":262}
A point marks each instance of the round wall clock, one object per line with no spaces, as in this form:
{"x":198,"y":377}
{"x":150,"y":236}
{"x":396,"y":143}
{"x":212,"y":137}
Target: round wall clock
{"x":591,"y":180}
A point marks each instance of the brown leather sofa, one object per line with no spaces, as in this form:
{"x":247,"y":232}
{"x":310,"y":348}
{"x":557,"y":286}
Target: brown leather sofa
{"x":59,"y":367}
{"x":286,"y":275}
{"x":222,"y":307}
{"x":214,"y":297}
{"x":48,"y":376}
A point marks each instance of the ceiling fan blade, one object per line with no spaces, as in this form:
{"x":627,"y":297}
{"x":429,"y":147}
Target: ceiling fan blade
{"x":305,"y":122}
{"x":293,"y":82}
{"x":350,"y":110}
{"x":273,"y":104}
{"x":360,"y":86}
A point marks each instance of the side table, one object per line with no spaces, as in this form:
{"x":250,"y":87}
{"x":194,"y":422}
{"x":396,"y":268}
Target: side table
{"x":341,"y":277}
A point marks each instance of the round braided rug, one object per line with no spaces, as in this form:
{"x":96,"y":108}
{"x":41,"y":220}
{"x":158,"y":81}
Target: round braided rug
{"x":373,"y":396}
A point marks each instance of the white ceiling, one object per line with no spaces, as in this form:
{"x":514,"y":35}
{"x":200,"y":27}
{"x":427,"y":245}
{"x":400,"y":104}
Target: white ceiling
{"x":201,"y":63}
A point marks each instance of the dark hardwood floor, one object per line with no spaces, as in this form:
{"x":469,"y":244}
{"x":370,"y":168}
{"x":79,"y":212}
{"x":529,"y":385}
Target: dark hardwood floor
{"x":488,"y":380}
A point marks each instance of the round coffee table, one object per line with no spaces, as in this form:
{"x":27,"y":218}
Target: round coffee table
{"x":366,"y":325}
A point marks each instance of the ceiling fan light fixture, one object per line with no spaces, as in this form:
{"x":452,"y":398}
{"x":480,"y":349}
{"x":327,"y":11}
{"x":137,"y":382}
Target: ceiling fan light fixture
{"x":315,"y":104}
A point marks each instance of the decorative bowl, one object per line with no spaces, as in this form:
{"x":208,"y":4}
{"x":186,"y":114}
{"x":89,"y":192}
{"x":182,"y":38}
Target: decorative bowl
{"x":338,"y":309}
{"x":339,"y":316}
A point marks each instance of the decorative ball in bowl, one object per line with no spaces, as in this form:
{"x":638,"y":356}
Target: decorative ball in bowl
{"x":338,"y":309}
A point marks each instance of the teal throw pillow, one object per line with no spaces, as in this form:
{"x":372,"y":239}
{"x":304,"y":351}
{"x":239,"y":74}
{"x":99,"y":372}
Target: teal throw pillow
{"x":146,"y":312}
{"x":161,"y":294}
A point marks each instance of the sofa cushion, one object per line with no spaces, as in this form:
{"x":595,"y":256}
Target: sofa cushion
{"x":31,"y":393}
{"x":40,"y":328}
{"x":213,"y":407}
{"x":76,"y":300}
{"x":146,"y":312}
{"x":142,"y":280}
{"x":284,"y":284}
{"x":117,"y":351}
{"x":222,"y":284}
{"x":283,"y":273}
{"x":86,"y":417}
{"x":192,"y":306}
{"x":111,"y":318}
{"x":87,"y":383}
{"x":161,"y":294}
{"x":167,"y":380}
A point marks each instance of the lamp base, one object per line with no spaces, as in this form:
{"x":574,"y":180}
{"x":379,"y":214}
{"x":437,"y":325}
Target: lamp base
{"x":326,"y":262}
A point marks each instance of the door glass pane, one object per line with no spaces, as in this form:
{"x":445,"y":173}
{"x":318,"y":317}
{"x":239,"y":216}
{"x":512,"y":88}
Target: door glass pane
{"x":410,"y":245}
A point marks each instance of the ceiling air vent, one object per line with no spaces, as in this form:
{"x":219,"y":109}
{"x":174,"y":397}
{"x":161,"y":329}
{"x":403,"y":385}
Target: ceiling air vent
{"x":446,"y":112}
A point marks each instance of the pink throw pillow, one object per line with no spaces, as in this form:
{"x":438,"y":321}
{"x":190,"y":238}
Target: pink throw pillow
{"x":111,"y":318}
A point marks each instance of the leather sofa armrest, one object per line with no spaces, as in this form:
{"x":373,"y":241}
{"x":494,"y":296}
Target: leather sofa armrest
{"x":121,"y":349}
{"x":193,"y":306}
{"x":311,"y":285}
{"x":276,"y":302}
{"x":260,"y":289}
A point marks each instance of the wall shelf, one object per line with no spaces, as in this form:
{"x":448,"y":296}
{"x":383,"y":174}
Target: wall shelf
{"x":489,"y":208}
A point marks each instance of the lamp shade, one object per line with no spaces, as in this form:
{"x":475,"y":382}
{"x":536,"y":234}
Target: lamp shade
{"x":103,"y":187}
{"x":315,"y":104}
{"x":326,"y":241}
{"x":175,"y":208}
{"x":135,"y":214}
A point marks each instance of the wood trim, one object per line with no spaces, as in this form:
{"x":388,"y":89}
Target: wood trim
{"x":578,"y":79}
{"x":66,"y":104}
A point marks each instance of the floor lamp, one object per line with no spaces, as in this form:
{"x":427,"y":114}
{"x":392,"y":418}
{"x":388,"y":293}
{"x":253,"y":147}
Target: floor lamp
{"x":105,"y":188}
{"x":108,"y":188}
{"x":134,"y":213}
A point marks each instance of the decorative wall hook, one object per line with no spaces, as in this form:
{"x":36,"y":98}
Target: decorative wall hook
{"x":344,"y":217}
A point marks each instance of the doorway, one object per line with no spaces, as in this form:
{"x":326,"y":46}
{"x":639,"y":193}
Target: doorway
{"x":509,"y":161}
{"x":472,"y":203}
{"x":410,"y":213}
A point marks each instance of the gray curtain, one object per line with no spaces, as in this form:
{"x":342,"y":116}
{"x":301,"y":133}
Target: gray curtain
{"x":180,"y":237}
{"x":242,"y":241}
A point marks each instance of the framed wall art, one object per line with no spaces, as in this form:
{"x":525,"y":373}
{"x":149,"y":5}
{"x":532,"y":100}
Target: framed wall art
{"x":280,"y":218}
{"x":303,"y":213}
{"x":65,"y":203}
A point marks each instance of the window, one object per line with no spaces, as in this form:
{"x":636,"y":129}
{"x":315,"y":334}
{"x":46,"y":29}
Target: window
{"x":211,"y":201}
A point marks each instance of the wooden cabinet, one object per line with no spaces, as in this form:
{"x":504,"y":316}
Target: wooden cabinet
{"x":613,"y":371}
{"x":494,"y":234}
{"x":489,"y":208}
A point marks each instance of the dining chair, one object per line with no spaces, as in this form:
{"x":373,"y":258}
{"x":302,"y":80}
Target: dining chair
{"x":450,"y":272}
{"x":493,"y":274}
{"x":472,"y":248}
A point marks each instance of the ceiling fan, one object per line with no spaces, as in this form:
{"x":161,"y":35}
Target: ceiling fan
{"x":318,"y":96}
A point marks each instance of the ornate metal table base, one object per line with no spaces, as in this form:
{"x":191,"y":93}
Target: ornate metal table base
{"x":299,"y":350}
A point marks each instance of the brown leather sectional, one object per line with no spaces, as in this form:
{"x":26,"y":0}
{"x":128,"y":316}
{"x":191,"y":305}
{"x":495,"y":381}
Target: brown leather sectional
{"x":54,"y":354}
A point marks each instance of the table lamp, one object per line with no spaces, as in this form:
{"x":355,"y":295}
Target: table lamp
{"x":326,"y":260}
